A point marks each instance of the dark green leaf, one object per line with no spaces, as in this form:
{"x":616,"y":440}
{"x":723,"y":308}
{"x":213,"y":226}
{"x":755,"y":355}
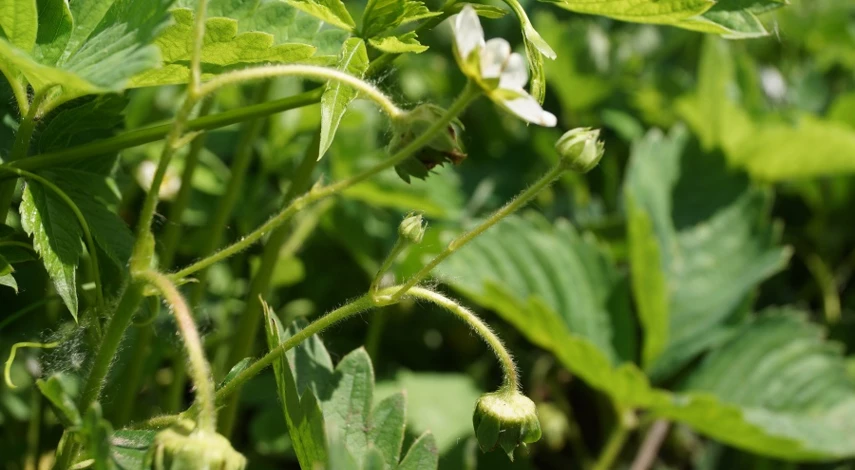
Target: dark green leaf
{"x":331,"y":11}
{"x":96,"y":432}
{"x":129,"y":448}
{"x":349,"y":407}
{"x":422,"y":455}
{"x":386,"y":433}
{"x":381,"y":16}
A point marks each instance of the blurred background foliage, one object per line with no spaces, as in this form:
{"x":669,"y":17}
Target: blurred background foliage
{"x":774,"y":114}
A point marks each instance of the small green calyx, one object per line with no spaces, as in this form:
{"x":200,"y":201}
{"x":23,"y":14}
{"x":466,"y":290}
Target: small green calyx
{"x":507,"y":419}
{"x":580,"y":149}
{"x":177,"y":449}
{"x":412,"y":228}
{"x":444,"y":148}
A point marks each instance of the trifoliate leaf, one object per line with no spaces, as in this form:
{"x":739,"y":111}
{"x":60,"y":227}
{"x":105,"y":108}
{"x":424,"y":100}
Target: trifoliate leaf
{"x":353,"y":60}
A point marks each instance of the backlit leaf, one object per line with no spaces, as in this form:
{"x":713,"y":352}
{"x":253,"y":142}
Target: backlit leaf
{"x":353,"y":60}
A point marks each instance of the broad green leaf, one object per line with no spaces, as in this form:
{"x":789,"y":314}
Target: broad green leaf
{"x":458,"y":394}
{"x":385,"y":15}
{"x":639,"y":11}
{"x":5,"y":267}
{"x":56,"y":237}
{"x":129,"y":448}
{"x":302,"y":412}
{"x":62,"y":403}
{"x":407,"y":42}
{"x":422,"y":455}
{"x":331,"y":11}
{"x":109,"y":42}
{"x":776,"y":388}
{"x":81,"y":123}
{"x":353,"y":60}
{"x":349,"y":407}
{"x":19,"y":22}
{"x":387,"y":431}
{"x":733,"y":19}
{"x":531,"y":263}
{"x":224,"y":47}
{"x":649,"y":286}
{"x":715,"y":240}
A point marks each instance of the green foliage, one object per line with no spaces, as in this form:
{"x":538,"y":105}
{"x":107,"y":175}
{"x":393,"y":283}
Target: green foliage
{"x":353,"y":59}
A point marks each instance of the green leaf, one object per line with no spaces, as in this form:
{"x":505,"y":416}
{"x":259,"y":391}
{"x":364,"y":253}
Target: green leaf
{"x":302,"y":413}
{"x":649,"y":287}
{"x":82,"y":123}
{"x":715,"y":241}
{"x":96,"y":432}
{"x":9,"y":281}
{"x":235,"y":371}
{"x":110,"y":41}
{"x":407,"y":42}
{"x":56,"y":237}
{"x":5,"y":267}
{"x":520,"y":263}
{"x":733,"y":19}
{"x":639,"y":11}
{"x":422,"y":455}
{"x":536,"y":49}
{"x":387,"y":430}
{"x":224,"y":47}
{"x":484,"y":11}
{"x":353,"y":60}
{"x":331,"y":11}
{"x":61,"y":402}
{"x":129,"y":448}
{"x":373,"y":460}
{"x":776,"y":388}
{"x":381,"y":16}
{"x":19,"y":22}
{"x":349,"y":407}
{"x":457,"y":393}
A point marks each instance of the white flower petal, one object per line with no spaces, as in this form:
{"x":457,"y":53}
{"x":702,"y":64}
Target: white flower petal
{"x":494,"y":56}
{"x":515,"y":74}
{"x":528,"y":109}
{"x":468,"y":34}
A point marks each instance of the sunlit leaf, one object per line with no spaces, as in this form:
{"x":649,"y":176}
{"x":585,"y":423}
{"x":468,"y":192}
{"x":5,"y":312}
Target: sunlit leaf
{"x":353,"y":59}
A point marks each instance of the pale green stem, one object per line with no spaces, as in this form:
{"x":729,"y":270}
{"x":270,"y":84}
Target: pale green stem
{"x":198,"y":43}
{"x":316,"y":194}
{"x":200,"y":370}
{"x":626,"y":422}
{"x":87,"y":235}
{"x":7,"y":370}
{"x":400,"y":245}
{"x":304,"y":71}
{"x":355,"y":307}
{"x":515,"y":204}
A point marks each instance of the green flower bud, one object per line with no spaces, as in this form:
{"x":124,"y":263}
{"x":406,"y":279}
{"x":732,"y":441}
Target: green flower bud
{"x":507,"y":419}
{"x":444,"y":147}
{"x":412,"y":228}
{"x":177,"y":448}
{"x":580,"y":149}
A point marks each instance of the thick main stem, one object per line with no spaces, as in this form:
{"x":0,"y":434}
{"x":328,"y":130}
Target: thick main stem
{"x":200,"y":370}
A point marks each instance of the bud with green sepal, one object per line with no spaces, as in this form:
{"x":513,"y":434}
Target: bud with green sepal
{"x":183,"y":448}
{"x":412,"y":228}
{"x":507,"y":419}
{"x":445,"y":147}
{"x":580,"y":149}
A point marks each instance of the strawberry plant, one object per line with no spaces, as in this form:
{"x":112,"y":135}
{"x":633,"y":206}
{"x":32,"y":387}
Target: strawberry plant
{"x":406,"y":234}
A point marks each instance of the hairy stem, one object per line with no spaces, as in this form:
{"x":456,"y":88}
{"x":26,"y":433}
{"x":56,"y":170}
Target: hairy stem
{"x":617,"y":438}
{"x":515,"y":204}
{"x":469,"y":94}
{"x":200,"y":370}
{"x":154,"y":133}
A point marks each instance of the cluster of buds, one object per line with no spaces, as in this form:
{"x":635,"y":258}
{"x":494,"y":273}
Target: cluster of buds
{"x":445,"y":147}
{"x":506,"y":419}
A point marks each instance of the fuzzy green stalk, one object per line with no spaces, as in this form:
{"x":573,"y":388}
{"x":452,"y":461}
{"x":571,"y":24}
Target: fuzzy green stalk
{"x":157,"y":132}
{"x":515,"y":204}
{"x":626,"y":422}
{"x":200,"y":370}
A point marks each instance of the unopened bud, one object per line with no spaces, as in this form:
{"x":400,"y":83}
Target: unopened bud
{"x":581,"y":149}
{"x":507,"y":419}
{"x":412,"y":228}
{"x":177,"y":449}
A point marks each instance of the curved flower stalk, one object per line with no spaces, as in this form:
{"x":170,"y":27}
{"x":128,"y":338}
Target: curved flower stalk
{"x":500,"y":73}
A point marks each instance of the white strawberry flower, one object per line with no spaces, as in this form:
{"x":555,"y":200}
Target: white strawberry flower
{"x":502,"y":74}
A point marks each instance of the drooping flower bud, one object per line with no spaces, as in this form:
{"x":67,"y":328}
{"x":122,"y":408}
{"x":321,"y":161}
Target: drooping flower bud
{"x":445,"y":147}
{"x":412,"y":228}
{"x":507,"y":419}
{"x":177,"y":448}
{"x":581,"y":149}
